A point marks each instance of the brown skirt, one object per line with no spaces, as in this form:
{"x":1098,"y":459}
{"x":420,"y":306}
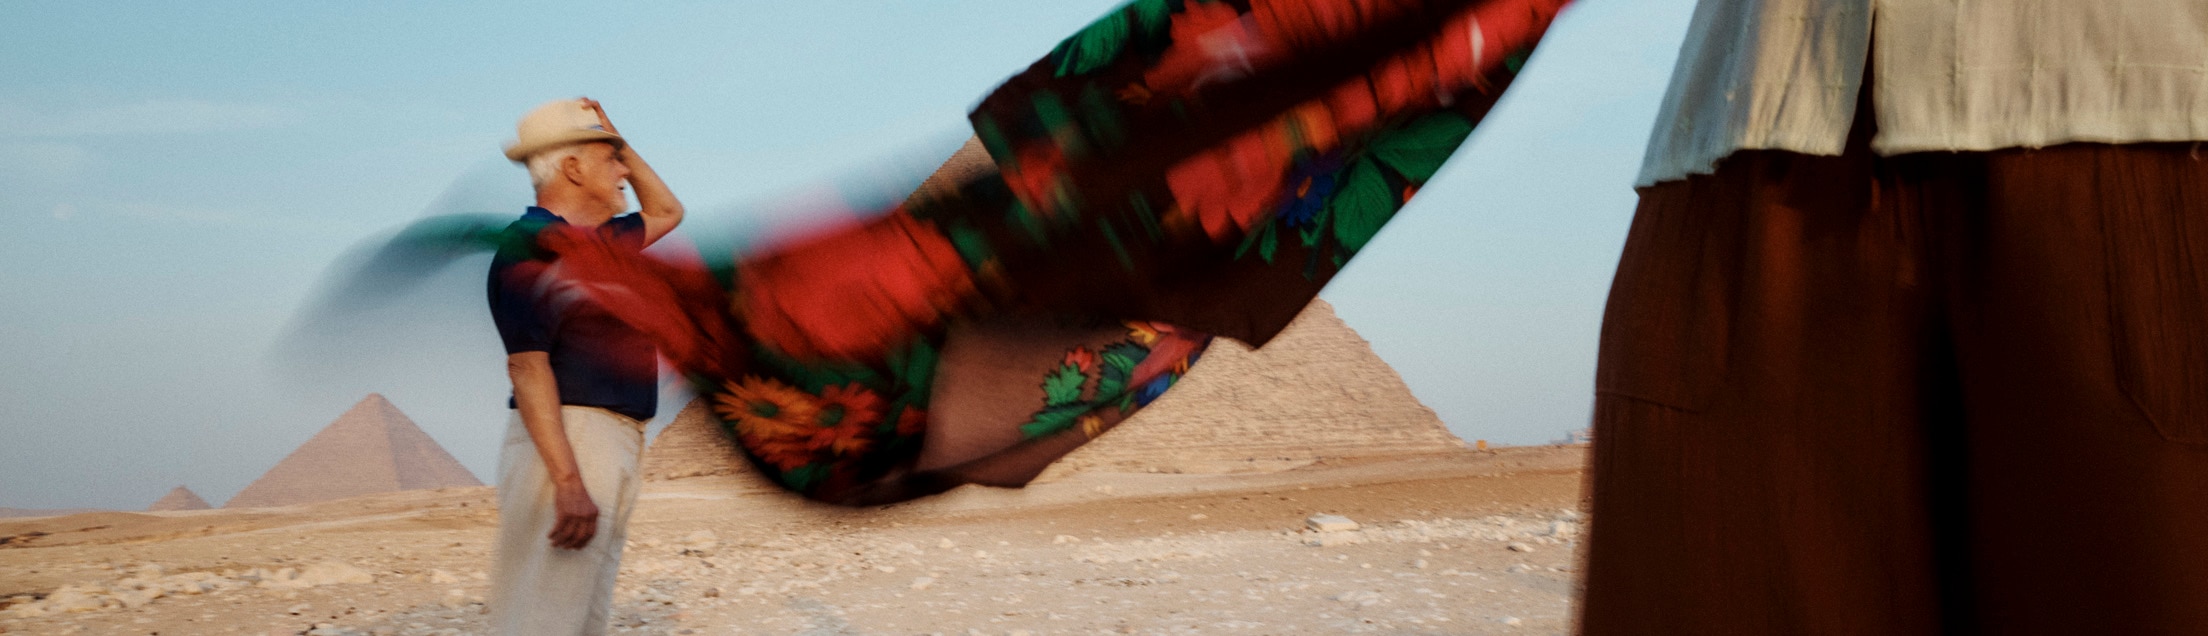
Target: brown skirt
{"x":1952,"y":392}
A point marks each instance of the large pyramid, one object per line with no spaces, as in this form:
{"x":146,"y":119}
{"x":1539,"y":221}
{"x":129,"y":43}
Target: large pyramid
{"x":692,"y":446}
{"x":179,"y":498}
{"x":371,"y":448}
{"x":1317,"y":391}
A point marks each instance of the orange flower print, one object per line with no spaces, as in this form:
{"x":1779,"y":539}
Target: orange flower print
{"x":850,"y":404}
{"x":1144,"y":333}
{"x":1081,"y":358}
{"x":843,"y":439}
{"x":774,"y":420}
{"x":765,"y":399}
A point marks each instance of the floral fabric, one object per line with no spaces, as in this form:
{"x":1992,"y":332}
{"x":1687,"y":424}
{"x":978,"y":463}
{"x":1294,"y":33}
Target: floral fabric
{"x":1177,"y":170}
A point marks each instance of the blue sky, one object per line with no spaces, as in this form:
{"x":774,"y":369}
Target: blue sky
{"x":178,"y":180}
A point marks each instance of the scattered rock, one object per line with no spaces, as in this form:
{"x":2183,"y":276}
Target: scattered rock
{"x":1331,"y":539}
{"x":1516,"y":546}
{"x":1360,"y":598}
{"x":1330,"y":523}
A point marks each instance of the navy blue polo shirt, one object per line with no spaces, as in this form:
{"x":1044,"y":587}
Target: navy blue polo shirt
{"x":597,"y":360}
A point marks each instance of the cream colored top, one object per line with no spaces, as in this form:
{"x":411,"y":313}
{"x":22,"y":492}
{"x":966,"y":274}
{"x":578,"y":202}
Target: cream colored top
{"x":1951,"y":74}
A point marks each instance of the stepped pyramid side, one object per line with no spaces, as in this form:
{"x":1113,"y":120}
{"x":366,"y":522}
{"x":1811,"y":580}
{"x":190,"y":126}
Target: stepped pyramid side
{"x":968,"y":162}
{"x":1316,"y":391}
{"x":179,"y":498}
{"x":696,"y":446}
{"x":692,"y":446}
{"x":421,"y":462}
{"x":372,"y":448}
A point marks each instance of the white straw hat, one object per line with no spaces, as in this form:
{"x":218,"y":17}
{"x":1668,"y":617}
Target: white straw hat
{"x":557,"y":123}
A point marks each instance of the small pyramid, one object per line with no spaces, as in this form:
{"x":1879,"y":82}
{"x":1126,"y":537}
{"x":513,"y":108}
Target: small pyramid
{"x":372,"y":448}
{"x":180,"y":498}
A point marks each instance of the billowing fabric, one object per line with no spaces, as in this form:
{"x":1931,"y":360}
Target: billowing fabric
{"x":1784,"y":74}
{"x":540,"y":590}
{"x":1935,"y":393}
{"x":1178,"y":170}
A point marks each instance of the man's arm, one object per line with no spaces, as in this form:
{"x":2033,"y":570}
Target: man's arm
{"x":537,"y":396}
{"x":659,"y":208}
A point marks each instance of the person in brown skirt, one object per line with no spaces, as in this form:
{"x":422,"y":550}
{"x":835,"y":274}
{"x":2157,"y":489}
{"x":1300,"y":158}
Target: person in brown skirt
{"x":1911,"y":335}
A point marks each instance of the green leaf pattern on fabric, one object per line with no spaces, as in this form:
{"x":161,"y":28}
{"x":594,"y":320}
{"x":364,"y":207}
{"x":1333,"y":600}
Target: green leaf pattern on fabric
{"x":803,"y":477}
{"x":1118,"y":366}
{"x":1063,"y":404}
{"x":1362,"y":205}
{"x":1063,"y":386}
{"x":1368,"y":188}
{"x":1101,"y":43}
{"x":1054,"y":419}
{"x":1418,"y":149}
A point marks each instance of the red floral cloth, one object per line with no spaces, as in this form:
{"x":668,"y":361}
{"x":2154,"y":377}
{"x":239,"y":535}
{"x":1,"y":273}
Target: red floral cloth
{"x":1177,"y":169}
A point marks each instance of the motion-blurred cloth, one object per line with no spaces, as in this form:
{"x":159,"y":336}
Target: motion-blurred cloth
{"x":1179,"y":169}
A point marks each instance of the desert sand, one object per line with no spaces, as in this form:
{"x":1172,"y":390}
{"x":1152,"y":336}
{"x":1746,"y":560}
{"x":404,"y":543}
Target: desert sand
{"x":1468,"y":542}
{"x":1297,"y":489}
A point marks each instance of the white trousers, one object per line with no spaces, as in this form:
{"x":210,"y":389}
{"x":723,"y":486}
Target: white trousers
{"x":540,"y":590}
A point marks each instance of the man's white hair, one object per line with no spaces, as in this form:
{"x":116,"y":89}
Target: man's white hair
{"x":545,"y":166}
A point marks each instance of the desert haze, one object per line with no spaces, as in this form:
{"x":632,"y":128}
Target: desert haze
{"x":1299,"y":489}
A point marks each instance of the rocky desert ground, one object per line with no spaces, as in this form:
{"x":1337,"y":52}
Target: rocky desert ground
{"x":1472,"y":542}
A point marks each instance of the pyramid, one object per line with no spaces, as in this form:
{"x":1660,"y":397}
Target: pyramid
{"x":371,"y":448}
{"x":692,"y":446}
{"x":1317,"y":391}
{"x":180,"y":498}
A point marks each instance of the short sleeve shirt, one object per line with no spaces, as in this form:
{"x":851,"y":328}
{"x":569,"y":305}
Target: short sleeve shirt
{"x":597,"y":360}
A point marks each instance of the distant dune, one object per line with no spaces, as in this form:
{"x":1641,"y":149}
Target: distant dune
{"x":42,"y":512}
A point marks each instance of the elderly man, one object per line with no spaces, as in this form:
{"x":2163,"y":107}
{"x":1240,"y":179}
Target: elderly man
{"x":584,"y":383}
